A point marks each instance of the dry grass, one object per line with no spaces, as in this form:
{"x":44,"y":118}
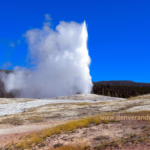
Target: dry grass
{"x":96,"y":103}
{"x":139,"y":113}
{"x":146,"y":96}
{"x":12,"y":121}
{"x":40,"y":137}
{"x":83,"y":104}
{"x":117,"y":144}
{"x":32,"y":109}
{"x":69,"y":147}
{"x":134,"y":98}
{"x":35,"y":119}
{"x":55,"y":116}
{"x":101,"y":138}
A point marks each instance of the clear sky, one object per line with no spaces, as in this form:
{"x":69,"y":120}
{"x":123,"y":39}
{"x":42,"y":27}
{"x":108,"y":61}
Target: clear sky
{"x":118,"y":30}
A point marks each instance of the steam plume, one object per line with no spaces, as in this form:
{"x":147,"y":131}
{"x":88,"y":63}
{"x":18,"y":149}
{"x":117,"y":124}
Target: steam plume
{"x":61,"y":63}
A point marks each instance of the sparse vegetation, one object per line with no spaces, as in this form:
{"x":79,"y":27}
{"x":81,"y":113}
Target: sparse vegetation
{"x":57,"y":145}
{"x":35,"y":119}
{"x":101,"y":138}
{"x":12,"y":121}
{"x":40,"y":137}
{"x":69,"y":147}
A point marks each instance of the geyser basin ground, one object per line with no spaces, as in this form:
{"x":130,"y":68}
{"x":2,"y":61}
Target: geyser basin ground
{"x":28,"y":115}
{"x":13,"y":106}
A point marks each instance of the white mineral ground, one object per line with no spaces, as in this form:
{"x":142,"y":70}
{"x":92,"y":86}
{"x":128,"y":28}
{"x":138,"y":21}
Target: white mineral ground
{"x":13,"y":106}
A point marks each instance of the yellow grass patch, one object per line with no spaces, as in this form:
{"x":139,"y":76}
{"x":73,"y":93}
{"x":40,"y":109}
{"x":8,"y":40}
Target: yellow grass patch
{"x":36,"y":138}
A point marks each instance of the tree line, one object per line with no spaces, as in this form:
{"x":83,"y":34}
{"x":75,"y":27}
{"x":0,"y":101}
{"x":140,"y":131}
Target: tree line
{"x":3,"y":93}
{"x":123,"y":91}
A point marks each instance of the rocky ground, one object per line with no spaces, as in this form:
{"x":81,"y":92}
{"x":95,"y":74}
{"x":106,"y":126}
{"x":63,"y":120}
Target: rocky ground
{"x":63,"y":109}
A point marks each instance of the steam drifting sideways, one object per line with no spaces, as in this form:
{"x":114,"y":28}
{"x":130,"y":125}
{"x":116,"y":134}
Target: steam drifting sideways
{"x":61,"y":63}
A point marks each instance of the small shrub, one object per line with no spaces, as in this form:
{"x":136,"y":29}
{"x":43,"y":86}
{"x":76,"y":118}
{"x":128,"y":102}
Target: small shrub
{"x":57,"y":145}
{"x":142,"y":140}
{"x":101,"y":138}
{"x":132,"y":135}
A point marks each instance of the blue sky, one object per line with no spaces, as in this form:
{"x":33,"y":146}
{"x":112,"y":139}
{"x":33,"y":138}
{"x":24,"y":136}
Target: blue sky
{"x":118,"y":30}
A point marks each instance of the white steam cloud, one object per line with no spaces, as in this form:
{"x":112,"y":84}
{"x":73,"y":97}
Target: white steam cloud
{"x":61,"y":62}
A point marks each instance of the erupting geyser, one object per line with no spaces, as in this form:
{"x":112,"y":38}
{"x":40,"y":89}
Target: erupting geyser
{"x":61,"y":63}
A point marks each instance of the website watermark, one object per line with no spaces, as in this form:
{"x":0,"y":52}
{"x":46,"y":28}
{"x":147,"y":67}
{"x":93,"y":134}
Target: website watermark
{"x":121,"y":118}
